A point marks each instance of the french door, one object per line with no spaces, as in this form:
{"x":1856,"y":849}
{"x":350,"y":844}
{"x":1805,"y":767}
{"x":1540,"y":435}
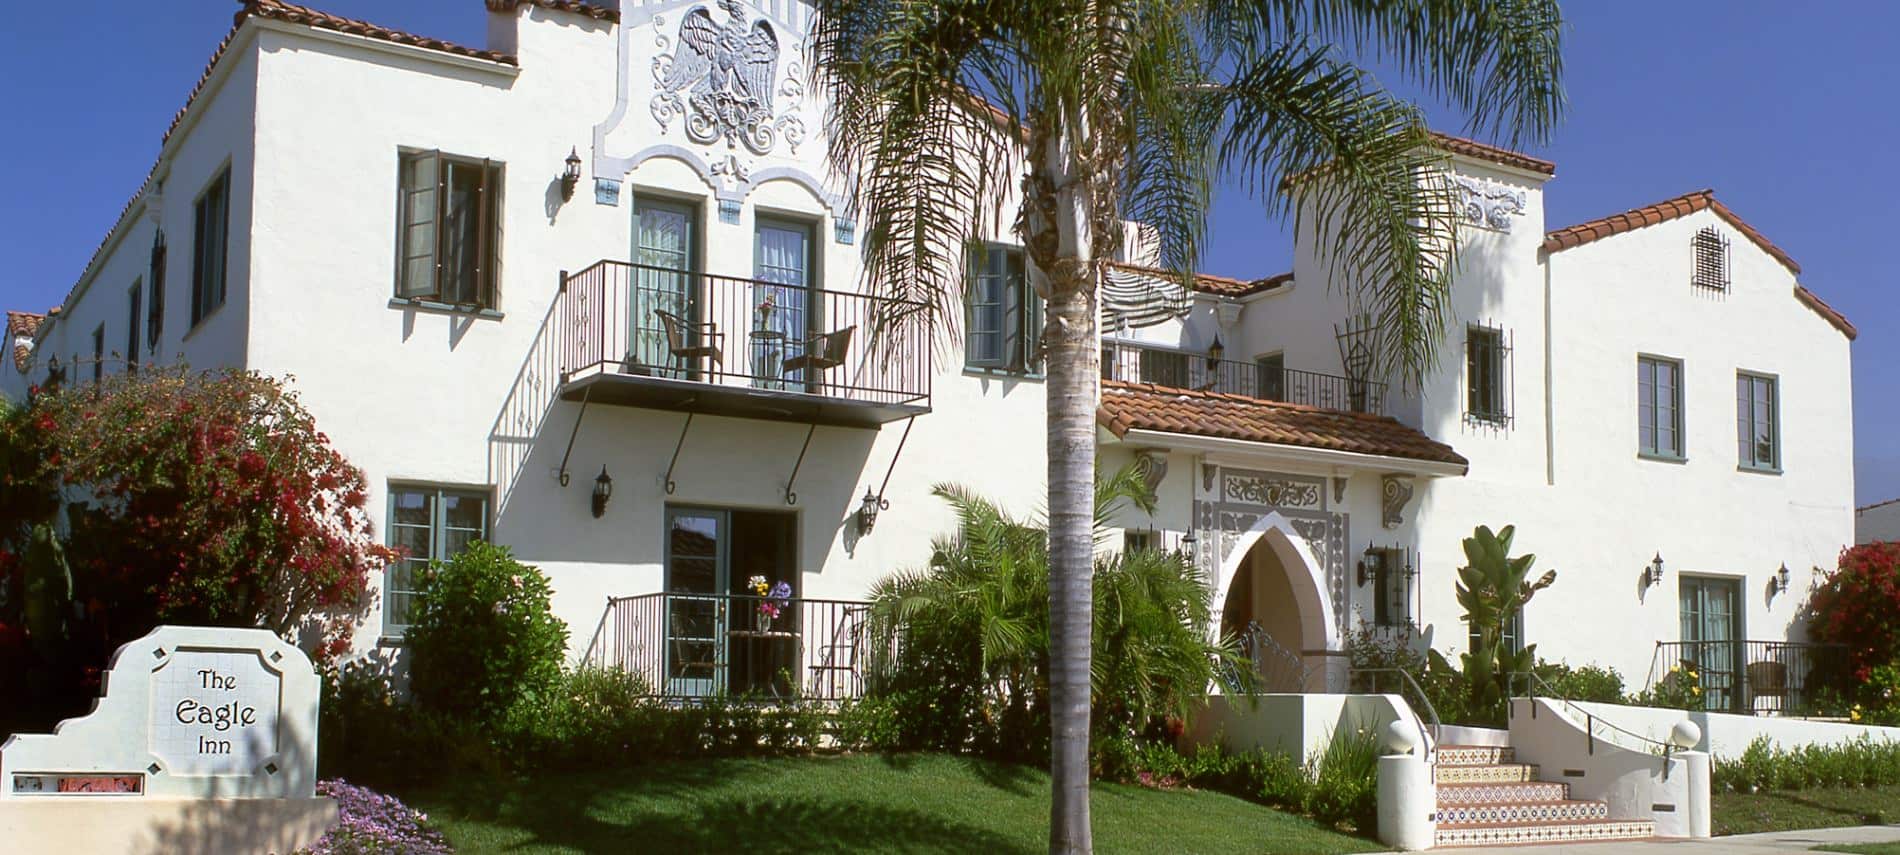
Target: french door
{"x":1712,"y":636}
{"x":698,"y":546}
{"x":783,"y":311}
{"x":663,"y":281}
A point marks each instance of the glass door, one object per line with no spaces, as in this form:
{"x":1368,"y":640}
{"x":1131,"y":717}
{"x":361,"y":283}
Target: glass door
{"x":782,"y":305}
{"x":696,"y":612}
{"x":662,"y":281}
{"x":1711,"y":634}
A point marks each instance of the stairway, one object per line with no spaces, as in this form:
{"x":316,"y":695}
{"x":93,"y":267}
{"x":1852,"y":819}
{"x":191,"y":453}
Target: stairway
{"x":1486,"y":798}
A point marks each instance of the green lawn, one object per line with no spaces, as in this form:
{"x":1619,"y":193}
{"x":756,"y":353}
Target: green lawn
{"x":1862,"y":848}
{"x":909,"y":803}
{"x":1747,"y":813}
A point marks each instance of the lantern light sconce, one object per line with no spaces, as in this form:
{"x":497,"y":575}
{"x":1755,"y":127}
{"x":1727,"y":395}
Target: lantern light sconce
{"x":1214,"y":352}
{"x":868,"y":509}
{"x":1188,"y":542}
{"x":1367,"y":564}
{"x":603,"y":490}
{"x":1779,"y":582}
{"x":571,"y":176}
{"x":1653,"y":573}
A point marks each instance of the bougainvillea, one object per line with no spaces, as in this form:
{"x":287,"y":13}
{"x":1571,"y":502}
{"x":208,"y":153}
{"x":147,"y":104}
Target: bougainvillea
{"x":1858,"y":605}
{"x":206,"y":498}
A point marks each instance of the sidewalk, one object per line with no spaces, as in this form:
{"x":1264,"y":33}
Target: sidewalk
{"x":1771,"y":843}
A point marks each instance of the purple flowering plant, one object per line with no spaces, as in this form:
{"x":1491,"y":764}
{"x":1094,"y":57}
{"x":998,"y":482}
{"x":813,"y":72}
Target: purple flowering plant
{"x":370,"y":822}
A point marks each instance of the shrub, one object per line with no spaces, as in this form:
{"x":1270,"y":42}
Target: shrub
{"x":482,"y":636}
{"x":1880,"y":696}
{"x":1492,"y":588}
{"x":370,"y":823}
{"x":1581,"y":683}
{"x":1681,"y":689}
{"x":1858,"y":605}
{"x":1345,"y":789}
{"x":1861,"y":762}
{"x":970,"y":668}
{"x":1374,"y":651}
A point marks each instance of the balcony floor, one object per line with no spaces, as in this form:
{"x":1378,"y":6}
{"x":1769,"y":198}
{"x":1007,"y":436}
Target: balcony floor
{"x":737,"y":401}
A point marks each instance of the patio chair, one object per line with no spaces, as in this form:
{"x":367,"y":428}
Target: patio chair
{"x":822,"y":352}
{"x":687,"y":341}
{"x":1767,"y":679}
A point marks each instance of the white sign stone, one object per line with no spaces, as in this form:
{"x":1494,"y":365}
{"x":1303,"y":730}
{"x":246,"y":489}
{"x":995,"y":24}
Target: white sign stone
{"x":187,"y":712}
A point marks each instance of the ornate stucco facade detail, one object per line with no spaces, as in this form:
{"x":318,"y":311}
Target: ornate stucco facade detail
{"x":1490,"y":204}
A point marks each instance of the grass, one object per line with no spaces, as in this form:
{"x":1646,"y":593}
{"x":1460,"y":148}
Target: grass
{"x":1747,"y":813}
{"x":906,"y":803}
{"x":1861,"y":848}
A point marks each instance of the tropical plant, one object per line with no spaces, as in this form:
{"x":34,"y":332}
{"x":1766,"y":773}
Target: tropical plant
{"x":1109,"y":112}
{"x":972,"y":634}
{"x":1493,"y":587}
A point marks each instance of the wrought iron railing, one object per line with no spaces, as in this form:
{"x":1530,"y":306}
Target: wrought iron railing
{"x":1759,"y":677}
{"x":1526,"y":684}
{"x":1275,"y":668}
{"x":703,"y":645}
{"x":1137,"y":363}
{"x":1400,"y":682}
{"x":651,"y":321}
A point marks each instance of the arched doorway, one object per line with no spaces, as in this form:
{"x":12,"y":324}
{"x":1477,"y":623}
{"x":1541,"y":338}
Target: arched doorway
{"x":1270,"y":595}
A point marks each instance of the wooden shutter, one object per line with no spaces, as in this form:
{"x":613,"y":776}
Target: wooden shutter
{"x":491,"y":232}
{"x":155,"y":308}
{"x":419,"y":218}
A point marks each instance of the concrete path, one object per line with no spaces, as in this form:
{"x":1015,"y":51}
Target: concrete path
{"x":1772,"y":843}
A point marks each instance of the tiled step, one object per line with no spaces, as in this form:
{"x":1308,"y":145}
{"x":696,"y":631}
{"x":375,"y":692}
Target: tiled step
{"x":1547,"y":832}
{"x":1476,"y":755}
{"x":1501,"y":773}
{"x":1477,"y":794}
{"x":1522,"y":813}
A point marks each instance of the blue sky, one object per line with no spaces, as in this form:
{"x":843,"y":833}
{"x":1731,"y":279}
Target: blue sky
{"x":1786,"y":110}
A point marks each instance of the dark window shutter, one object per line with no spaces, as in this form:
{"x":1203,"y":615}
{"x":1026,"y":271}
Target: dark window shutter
{"x":155,"y":308}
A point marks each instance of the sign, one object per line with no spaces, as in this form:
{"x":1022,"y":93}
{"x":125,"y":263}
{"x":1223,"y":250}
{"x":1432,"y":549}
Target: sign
{"x":606,"y":191}
{"x":214,"y":713}
{"x":188,"y":712}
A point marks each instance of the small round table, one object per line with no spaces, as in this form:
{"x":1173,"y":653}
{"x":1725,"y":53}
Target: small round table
{"x":768,"y":358}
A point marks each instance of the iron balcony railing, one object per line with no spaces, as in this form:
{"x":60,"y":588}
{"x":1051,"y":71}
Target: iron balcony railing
{"x":1136,"y":363}
{"x":1760,"y":677}
{"x":704,"y":645}
{"x":641,"y":320}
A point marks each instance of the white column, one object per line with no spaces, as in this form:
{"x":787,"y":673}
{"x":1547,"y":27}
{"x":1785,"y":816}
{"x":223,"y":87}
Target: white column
{"x":1408,"y":802}
{"x":1696,"y":765}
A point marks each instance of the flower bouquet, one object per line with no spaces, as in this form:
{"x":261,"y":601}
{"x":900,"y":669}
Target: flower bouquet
{"x":774,"y":599}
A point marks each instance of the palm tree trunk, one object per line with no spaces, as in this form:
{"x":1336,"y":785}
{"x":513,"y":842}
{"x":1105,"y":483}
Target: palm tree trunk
{"x":1073,"y":366}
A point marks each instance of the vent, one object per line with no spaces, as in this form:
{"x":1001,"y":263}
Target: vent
{"x":1711,"y":260}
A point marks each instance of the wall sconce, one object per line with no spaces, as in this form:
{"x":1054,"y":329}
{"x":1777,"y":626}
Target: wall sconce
{"x":603,"y":490}
{"x":571,"y":176}
{"x":868,"y":509}
{"x":1779,"y":583}
{"x":1368,"y":565}
{"x":1214,"y":352}
{"x":1187,"y":545}
{"x":1653,"y":574}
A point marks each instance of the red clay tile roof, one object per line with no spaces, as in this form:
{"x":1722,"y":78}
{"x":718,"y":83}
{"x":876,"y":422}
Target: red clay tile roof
{"x":23,"y":323}
{"x":1494,"y":154}
{"x":1833,"y":316}
{"x":1649,"y":215}
{"x":1208,"y":283}
{"x":22,"y":357}
{"x":599,"y":13}
{"x":1145,"y":406}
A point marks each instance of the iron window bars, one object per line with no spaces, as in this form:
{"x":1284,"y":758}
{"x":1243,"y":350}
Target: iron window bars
{"x":1711,"y":260}
{"x":1489,"y":393}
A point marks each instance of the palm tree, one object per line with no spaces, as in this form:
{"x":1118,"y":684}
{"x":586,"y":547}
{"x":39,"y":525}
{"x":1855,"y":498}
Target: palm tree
{"x":1065,"y":118}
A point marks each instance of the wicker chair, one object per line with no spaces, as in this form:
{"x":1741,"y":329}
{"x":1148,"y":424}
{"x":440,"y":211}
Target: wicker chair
{"x":1767,"y":679}
{"x":822,"y":352}
{"x":687,"y":342}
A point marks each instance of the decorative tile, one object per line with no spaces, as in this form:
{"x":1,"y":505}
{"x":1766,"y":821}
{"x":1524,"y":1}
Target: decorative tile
{"x":1522,"y":813}
{"x":1504,"y":773}
{"x":1475,"y":755}
{"x":1476,"y":794}
{"x":1575,"y":832}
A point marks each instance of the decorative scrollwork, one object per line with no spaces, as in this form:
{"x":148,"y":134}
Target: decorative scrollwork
{"x":1490,"y":204}
{"x":1395,"y":492}
{"x":724,"y":73}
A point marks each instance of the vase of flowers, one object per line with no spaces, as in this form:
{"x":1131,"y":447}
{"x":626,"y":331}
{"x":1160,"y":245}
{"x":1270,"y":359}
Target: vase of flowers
{"x":773,"y":599}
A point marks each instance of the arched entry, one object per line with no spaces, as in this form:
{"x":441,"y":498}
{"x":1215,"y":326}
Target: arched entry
{"x":1271,"y":579}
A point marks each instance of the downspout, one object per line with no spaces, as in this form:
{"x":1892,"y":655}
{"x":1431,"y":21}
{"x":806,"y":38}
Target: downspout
{"x":1550,"y":406}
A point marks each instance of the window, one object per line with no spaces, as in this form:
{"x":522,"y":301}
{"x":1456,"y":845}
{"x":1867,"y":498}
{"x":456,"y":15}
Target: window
{"x":1511,"y":638}
{"x":1659,"y":407}
{"x":132,"y":321}
{"x":155,"y":308}
{"x":1392,"y":588}
{"x":427,"y":524}
{"x":1486,"y":352}
{"x":98,"y":352}
{"x":449,"y":234}
{"x":1270,"y":377}
{"x":211,"y":224}
{"x":1711,"y":260}
{"x":1757,"y":422}
{"x":1004,"y":325}
{"x":1137,"y":540}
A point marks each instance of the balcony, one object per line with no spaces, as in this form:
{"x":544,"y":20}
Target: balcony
{"x":1138,"y":363}
{"x":652,"y":337}
{"x":697,"y":645}
{"x":1755,"y":677}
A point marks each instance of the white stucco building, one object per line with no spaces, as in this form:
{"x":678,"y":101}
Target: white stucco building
{"x":387,"y":217}
{"x":1878,"y":521}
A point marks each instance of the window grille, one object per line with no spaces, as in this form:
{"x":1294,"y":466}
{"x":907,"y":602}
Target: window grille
{"x":1488,"y":368}
{"x":1393,"y":572}
{"x":1711,"y":260}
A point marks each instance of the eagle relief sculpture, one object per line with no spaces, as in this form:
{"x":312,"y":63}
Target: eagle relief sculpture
{"x":720,"y":76}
